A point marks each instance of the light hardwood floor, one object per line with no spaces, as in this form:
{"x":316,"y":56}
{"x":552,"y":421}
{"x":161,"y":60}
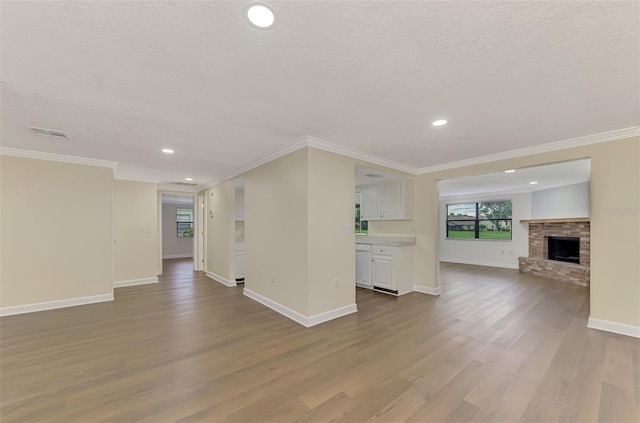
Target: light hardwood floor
{"x":496,"y":346}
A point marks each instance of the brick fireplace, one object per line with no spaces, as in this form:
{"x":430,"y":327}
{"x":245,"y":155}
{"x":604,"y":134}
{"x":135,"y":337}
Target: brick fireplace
{"x":538,"y":262}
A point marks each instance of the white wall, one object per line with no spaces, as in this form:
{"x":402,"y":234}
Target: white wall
{"x":135,"y":210}
{"x":172,"y":246}
{"x":568,"y":201}
{"x":496,"y":253}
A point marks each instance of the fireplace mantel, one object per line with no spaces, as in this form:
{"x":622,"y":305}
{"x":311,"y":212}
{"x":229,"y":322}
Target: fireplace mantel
{"x":560,"y":220}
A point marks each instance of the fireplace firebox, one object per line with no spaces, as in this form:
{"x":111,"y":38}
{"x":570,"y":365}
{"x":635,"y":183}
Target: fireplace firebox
{"x":564,"y":249}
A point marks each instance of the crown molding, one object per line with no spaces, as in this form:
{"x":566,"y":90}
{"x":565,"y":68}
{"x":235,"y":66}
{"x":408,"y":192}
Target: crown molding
{"x":287,"y":149}
{"x":617,"y":134}
{"x":320,"y":144}
{"x":29,"y":154}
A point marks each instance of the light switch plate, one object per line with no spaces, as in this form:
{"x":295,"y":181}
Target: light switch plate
{"x":348,"y":229}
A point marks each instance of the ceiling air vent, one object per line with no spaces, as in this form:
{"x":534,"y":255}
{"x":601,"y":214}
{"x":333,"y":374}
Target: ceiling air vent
{"x":49,"y":133}
{"x":186,"y":184}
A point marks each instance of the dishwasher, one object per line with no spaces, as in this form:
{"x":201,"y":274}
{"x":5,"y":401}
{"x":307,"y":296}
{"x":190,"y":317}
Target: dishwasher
{"x":363,"y":266}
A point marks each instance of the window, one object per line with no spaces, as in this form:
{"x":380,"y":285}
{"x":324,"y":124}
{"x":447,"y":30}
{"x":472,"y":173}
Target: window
{"x":483,"y":220}
{"x":361,"y":225}
{"x":184,"y":219}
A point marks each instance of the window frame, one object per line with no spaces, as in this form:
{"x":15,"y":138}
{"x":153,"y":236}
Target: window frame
{"x":478,"y":220}
{"x":180,"y":234}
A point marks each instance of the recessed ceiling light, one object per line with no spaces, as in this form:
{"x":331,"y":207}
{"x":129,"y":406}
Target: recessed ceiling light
{"x":439,"y":122}
{"x":533,"y":182}
{"x":188,"y":179}
{"x":260,"y":15}
{"x":167,"y":150}
{"x":509,"y":171}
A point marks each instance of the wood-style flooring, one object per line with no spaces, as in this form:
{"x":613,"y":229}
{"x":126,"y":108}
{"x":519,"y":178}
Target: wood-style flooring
{"x":496,"y":346}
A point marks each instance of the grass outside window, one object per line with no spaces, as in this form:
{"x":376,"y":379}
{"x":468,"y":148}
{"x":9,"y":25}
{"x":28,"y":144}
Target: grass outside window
{"x":488,"y":220}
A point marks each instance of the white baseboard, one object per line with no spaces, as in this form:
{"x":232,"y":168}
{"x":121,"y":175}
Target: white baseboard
{"x":51,"y":305}
{"x":614,"y":327}
{"x":134,"y":282}
{"x":220,"y":279}
{"x":325,"y":316}
{"x":306,"y":321}
{"x":426,"y":290}
{"x":172,"y":256}
{"x":482,"y":263}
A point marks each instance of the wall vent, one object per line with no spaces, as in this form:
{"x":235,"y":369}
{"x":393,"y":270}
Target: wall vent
{"x":373,"y":175}
{"x":49,"y":133}
{"x":185,"y":184}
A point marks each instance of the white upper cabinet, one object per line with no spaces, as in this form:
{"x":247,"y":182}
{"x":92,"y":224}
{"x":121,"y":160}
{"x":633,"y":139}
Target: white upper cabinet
{"x":369,"y":202}
{"x":239,"y":203}
{"x":390,"y":200}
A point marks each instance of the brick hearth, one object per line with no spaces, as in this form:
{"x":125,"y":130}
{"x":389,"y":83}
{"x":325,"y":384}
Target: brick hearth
{"x":537,"y":262}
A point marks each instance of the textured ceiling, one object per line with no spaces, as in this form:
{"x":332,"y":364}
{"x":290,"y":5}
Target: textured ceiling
{"x":126,"y":79}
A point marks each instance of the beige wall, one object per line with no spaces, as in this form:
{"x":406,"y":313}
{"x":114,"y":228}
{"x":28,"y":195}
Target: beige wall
{"x":171,"y":244}
{"x":57,"y":240}
{"x":331,"y":252}
{"x":296,"y":211}
{"x":276,"y":239}
{"x":220,"y":236}
{"x":615,"y":246}
{"x":136,"y":207}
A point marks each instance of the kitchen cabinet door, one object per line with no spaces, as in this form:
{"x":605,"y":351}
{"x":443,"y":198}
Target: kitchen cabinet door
{"x":369,"y":205}
{"x":239,"y":203}
{"x":391,"y":200}
{"x":383,"y":272}
{"x":239,"y":264}
{"x":363,"y":268}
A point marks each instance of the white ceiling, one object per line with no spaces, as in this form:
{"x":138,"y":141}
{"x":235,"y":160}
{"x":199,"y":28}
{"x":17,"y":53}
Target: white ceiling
{"x":126,"y":79}
{"x":547,"y":176}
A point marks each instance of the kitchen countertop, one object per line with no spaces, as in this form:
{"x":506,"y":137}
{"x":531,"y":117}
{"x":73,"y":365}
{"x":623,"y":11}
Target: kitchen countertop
{"x":395,"y":241}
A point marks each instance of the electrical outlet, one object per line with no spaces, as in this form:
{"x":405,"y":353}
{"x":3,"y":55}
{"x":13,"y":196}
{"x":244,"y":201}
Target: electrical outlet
{"x":273,"y":278}
{"x":336,"y":283}
{"x":145,"y":229}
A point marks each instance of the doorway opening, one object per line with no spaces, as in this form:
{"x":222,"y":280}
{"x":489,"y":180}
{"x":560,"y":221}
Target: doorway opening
{"x":524,"y":219}
{"x":179,"y":220}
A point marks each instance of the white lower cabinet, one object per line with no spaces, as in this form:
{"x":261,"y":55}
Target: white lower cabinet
{"x":239,"y":265}
{"x":239,"y":262}
{"x":363,"y":266}
{"x":391,"y":269}
{"x":383,"y":272}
